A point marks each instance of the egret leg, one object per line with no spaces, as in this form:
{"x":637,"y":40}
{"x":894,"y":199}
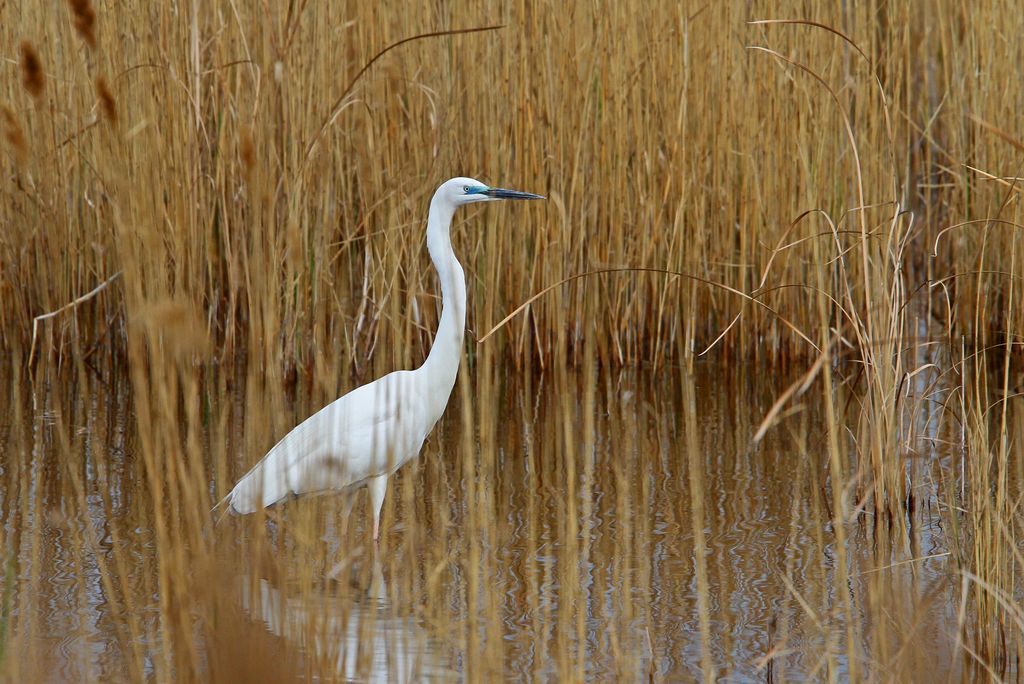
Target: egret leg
{"x":346,"y":516}
{"x":346,"y":511}
{"x":349,"y":502}
{"x":378,"y":487}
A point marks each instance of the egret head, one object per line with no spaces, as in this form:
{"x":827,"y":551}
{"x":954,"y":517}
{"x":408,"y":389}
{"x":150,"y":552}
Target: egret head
{"x":461,"y":191}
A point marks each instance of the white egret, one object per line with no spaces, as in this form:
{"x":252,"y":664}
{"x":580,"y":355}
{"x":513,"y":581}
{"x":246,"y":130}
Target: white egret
{"x":369,"y":433}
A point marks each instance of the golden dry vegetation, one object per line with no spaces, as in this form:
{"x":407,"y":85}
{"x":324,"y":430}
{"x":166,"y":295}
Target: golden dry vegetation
{"x":211,"y":225}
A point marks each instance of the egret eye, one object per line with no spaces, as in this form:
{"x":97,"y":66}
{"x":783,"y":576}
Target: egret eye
{"x":465,"y":189}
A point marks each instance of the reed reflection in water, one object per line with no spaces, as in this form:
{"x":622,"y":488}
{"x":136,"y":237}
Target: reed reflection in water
{"x":547,"y":531}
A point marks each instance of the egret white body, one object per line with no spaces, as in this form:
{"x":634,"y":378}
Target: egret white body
{"x":369,"y":433}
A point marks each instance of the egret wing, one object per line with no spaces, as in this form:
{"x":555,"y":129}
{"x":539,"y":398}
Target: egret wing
{"x":349,"y":440}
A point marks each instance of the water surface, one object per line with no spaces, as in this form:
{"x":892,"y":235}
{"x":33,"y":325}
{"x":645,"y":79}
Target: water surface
{"x":547,"y":531}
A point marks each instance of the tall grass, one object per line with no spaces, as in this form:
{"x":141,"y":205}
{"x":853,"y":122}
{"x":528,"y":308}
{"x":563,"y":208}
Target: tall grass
{"x":213,"y":200}
{"x":662,"y":139}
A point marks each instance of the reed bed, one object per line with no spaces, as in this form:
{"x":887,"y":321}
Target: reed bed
{"x":212,"y":224}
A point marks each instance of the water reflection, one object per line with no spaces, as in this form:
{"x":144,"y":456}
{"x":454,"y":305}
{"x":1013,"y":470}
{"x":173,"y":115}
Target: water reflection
{"x":542,"y":534}
{"x":366,"y":639}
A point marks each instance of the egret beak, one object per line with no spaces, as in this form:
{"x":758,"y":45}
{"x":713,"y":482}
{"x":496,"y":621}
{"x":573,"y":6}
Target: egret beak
{"x":501,"y":193}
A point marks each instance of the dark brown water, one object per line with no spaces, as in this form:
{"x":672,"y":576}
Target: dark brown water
{"x":544,"y":533}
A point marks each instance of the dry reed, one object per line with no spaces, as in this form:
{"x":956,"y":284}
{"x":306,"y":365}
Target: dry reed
{"x":847,"y":181}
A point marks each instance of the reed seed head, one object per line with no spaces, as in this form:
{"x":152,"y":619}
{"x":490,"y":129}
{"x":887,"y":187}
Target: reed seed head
{"x":246,"y":149}
{"x":179,"y":324}
{"x":13,"y":134}
{"x":106,"y":98}
{"x":31,"y":70}
{"x":83,"y":18}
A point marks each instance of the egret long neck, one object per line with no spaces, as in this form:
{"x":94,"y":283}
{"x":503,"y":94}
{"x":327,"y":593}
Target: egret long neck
{"x":442,"y":363}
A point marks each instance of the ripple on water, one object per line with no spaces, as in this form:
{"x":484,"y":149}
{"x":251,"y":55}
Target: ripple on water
{"x":769,"y":545}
